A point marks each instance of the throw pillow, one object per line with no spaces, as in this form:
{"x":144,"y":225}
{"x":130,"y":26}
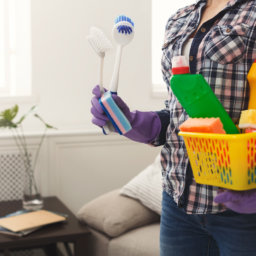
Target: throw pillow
{"x":114,"y":214}
{"x":147,"y":187}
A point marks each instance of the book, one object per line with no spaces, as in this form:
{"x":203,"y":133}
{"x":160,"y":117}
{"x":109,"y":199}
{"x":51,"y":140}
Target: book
{"x":24,"y":222}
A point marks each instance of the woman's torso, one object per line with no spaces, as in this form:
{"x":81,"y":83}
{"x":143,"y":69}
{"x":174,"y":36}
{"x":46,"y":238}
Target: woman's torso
{"x":222,"y":50}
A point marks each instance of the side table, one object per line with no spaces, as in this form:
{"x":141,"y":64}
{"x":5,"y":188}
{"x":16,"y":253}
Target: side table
{"x":71,"y":231}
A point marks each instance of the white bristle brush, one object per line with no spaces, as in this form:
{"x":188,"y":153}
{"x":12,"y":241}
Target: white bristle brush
{"x":123,"y":33}
{"x":101,"y":44}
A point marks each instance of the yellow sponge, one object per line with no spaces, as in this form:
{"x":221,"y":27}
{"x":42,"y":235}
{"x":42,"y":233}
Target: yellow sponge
{"x":247,"y":119}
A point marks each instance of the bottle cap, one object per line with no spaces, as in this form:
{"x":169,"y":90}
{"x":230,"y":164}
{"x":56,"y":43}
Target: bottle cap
{"x":179,"y":65}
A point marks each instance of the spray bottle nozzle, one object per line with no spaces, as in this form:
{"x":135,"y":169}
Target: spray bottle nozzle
{"x":180,"y":65}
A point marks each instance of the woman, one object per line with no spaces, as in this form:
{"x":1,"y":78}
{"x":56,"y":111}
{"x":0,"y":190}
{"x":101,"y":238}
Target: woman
{"x":219,"y":39}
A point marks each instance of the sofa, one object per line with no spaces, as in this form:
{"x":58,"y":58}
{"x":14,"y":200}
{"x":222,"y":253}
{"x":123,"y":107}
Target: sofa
{"x":126,"y":220}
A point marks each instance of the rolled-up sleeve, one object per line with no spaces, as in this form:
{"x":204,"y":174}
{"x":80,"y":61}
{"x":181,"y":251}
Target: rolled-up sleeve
{"x":164,"y":116}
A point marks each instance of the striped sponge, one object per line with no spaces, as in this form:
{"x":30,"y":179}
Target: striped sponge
{"x":116,"y":116}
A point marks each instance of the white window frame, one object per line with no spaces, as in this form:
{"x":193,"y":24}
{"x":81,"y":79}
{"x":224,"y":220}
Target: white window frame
{"x":15,"y":51}
{"x":3,"y":86}
{"x":161,"y":11}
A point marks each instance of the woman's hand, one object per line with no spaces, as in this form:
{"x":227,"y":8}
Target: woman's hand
{"x":145,"y":125}
{"x":238,"y":201}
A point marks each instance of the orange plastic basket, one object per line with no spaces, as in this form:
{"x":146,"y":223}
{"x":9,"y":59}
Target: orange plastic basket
{"x":227,"y":161}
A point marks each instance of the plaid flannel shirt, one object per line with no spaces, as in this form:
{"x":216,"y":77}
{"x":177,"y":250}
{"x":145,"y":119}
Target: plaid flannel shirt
{"x":223,"y":51}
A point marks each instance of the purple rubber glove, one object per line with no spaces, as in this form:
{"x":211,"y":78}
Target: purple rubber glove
{"x":238,"y":201}
{"x":146,"y":126}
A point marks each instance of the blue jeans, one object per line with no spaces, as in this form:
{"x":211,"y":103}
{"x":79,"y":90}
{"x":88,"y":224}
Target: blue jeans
{"x":224,"y":234}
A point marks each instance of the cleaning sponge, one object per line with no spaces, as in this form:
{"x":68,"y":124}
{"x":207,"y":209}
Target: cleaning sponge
{"x":204,"y":125}
{"x":248,"y":119}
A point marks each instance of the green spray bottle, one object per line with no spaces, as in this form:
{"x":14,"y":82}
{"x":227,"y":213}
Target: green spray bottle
{"x":196,"y":96}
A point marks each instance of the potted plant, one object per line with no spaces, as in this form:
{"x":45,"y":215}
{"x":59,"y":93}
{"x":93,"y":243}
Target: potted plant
{"x":32,"y":199}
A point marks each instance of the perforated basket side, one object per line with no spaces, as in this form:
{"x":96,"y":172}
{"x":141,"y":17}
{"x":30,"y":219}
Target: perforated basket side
{"x":251,"y":160}
{"x":207,"y":159}
{"x":227,"y":161}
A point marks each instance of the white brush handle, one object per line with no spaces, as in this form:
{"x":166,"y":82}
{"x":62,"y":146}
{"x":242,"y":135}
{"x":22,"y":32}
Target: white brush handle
{"x":101,"y":75}
{"x":115,"y":77}
{"x":108,"y":128}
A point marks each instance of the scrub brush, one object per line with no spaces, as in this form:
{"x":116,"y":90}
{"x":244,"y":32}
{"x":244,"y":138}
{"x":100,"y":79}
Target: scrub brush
{"x":123,"y":33}
{"x":101,"y":44}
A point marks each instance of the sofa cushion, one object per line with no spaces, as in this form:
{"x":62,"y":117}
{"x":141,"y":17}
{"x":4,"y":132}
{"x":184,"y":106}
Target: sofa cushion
{"x":96,"y":244}
{"x":147,"y":186}
{"x":138,"y":242}
{"x":114,"y":214}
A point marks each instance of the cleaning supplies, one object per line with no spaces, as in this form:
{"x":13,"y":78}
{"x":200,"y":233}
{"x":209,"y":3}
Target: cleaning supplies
{"x":123,"y":33}
{"x":251,"y":77}
{"x":115,"y":115}
{"x":100,"y":44}
{"x":203,"y":125}
{"x":196,"y":96}
{"x":247,"y":120}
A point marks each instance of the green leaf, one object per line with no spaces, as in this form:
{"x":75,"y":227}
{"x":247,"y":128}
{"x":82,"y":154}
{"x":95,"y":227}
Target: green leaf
{"x":9,"y":114}
{"x":24,"y":116}
{"x":7,"y":124}
{"x":48,"y":126}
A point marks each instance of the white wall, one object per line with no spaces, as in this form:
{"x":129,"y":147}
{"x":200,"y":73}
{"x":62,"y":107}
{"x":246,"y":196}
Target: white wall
{"x":78,"y":167}
{"x":65,"y":68}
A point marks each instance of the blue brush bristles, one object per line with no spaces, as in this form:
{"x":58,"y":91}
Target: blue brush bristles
{"x":124,"y":28}
{"x":124,"y":18}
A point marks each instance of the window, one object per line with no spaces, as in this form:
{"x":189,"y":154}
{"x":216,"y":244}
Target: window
{"x":15,"y":48}
{"x":161,"y":11}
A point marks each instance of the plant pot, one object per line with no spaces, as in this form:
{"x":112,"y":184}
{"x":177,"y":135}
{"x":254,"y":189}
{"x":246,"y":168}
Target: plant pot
{"x":32,"y":199}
